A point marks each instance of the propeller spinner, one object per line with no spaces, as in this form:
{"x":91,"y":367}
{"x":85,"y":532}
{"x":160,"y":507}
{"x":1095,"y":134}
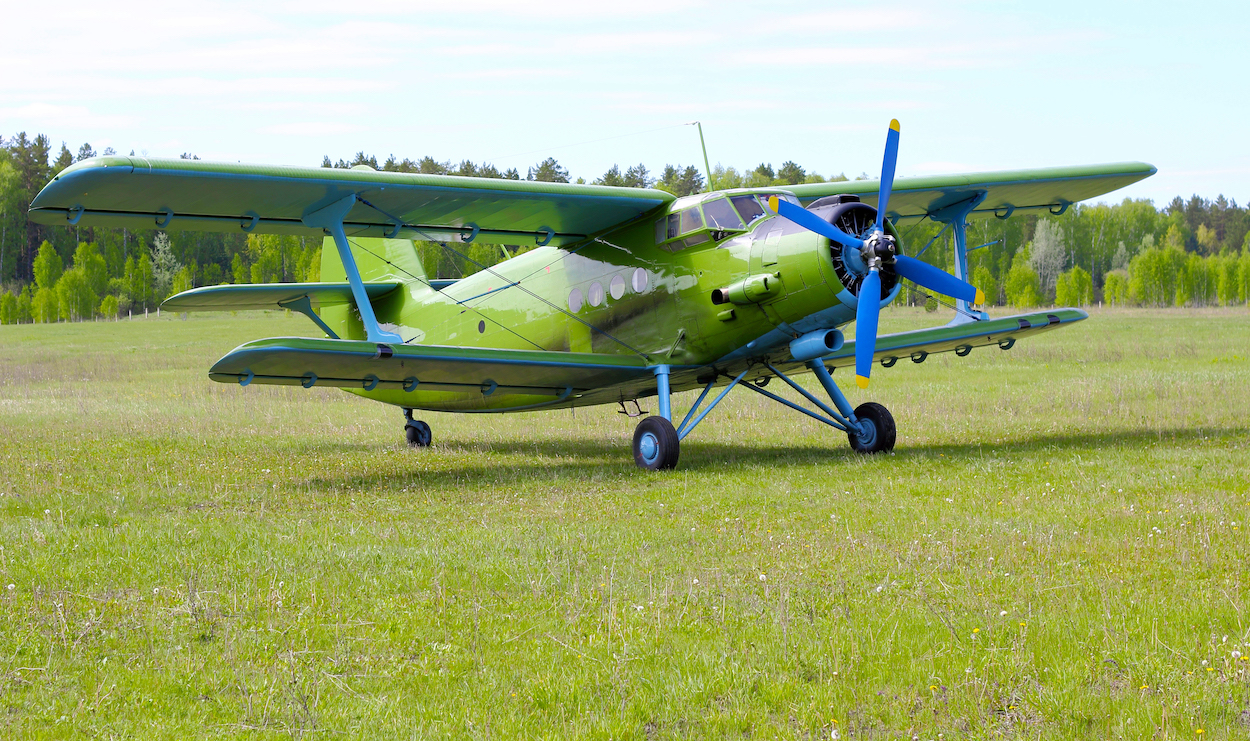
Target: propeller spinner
{"x":878,"y":250}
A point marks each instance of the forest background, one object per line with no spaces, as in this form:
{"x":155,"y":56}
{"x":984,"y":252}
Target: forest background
{"x":1186,"y":253}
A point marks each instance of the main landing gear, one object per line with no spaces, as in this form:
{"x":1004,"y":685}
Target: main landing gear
{"x":418,"y":433}
{"x":876,"y":431}
{"x":656,"y":445}
{"x":869,"y":428}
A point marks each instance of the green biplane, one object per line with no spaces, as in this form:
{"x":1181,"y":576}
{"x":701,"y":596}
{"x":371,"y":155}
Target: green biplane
{"x":630,"y":293}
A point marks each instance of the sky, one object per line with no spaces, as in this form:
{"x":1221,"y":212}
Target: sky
{"x":977,"y":86}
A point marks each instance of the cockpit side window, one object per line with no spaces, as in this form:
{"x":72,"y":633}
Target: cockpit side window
{"x":720,"y":215}
{"x":748,"y":207}
{"x":684,"y":222}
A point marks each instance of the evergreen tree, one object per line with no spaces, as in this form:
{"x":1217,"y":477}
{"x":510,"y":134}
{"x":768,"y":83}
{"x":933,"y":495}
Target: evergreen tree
{"x":548,"y":171}
{"x":164,"y":267}
{"x":791,"y":173}
{"x":612,"y":177}
{"x":680,"y":181}
{"x":638,"y":176}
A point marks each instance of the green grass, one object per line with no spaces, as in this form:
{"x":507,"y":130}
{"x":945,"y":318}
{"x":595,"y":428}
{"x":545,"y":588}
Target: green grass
{"x":1056,"y":549}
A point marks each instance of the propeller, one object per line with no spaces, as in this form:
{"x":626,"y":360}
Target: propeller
{"x":878,"y":251}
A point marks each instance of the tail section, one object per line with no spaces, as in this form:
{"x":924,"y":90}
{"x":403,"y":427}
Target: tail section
{"x":379,"y":260}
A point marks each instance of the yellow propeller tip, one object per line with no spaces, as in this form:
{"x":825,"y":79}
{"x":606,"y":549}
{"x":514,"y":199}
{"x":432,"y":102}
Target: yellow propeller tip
{"x":772,"y":202}
{"x":894,"y":124}
{"x":861,"y":381}
{"x":980,"y":300}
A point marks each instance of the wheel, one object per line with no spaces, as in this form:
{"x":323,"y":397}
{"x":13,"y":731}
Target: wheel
{"x":655,"y":444}
{"x":419,"y":434}
{"x":876,"y":433}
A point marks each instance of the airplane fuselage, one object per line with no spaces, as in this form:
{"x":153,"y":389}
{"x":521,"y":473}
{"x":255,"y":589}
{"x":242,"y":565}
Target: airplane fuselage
{"x":639,"y":290}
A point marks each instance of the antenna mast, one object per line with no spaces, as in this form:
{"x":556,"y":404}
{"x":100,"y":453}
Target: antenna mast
{"x":706,"y":167}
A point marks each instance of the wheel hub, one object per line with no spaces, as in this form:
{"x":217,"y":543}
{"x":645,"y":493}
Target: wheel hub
{"x":867,"y":433}
{"x":648,"y":446}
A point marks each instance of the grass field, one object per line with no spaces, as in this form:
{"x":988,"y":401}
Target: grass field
{"x":1057,"y":548}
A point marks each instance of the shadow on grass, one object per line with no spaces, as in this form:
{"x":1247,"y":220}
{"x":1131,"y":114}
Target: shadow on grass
{"x":519,"y":461}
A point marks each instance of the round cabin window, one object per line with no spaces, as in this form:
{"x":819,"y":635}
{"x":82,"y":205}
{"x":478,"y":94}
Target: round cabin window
{"x":640,"y":280}
{"x":617,"y":287}
{"x":575,"y":300}
{"x":594,"y":296}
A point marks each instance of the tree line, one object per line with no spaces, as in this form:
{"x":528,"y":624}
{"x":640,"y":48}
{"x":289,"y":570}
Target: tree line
{"x":1187,"y":253}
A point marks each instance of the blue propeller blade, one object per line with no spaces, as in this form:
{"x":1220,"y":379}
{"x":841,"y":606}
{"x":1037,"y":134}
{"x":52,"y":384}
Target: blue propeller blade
{"x":866,"y":326}
{"x":924,"y":274}
{"x":812,"y":222}
{"x":887,"y":173}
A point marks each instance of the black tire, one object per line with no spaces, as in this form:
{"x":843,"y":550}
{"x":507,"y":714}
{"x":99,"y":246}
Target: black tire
{"x":419,"y":434}
{"x":656,"y":446}
{"x":881,"y":431}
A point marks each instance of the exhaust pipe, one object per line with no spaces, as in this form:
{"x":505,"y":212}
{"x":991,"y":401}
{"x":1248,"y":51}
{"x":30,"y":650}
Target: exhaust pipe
{"x":816,"y":344}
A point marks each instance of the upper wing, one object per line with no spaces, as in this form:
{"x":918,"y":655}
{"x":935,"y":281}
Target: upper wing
{"x":1051,"y":188}
{"x":137,"y":192}
{"x":252,"y":296}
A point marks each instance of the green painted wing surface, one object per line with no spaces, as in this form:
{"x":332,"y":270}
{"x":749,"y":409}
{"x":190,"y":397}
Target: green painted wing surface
{"x":1051,"y":188}
{"x":902,"y":345}
{"x":196,"y":195}
{"x":251,"y":297}
{"x":369,"y":366}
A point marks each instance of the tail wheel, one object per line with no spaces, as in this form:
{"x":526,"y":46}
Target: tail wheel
{"x":419,"y":434}
{"x":656,"y":446}
{"x":876,"y":432}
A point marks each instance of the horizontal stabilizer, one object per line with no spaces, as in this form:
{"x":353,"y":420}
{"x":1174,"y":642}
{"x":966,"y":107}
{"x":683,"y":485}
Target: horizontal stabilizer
{"x":259,"y":296}
{"x":480,"y":371}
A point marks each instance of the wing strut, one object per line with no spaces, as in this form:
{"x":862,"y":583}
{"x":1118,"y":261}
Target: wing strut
{"x":303,"y":305}
{"x":330,"y":218}
{"x":955,"y":216}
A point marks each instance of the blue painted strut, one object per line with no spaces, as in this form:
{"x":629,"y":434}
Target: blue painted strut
{"x":330,"y":218}
{"x":662,"y":391}
{"x":956,"y":217}
{"x":681,"y":433}
{"x":839,"y":400}
{"x":795,"y":407}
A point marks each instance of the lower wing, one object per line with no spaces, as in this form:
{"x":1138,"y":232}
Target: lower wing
{"x":466,"y":378}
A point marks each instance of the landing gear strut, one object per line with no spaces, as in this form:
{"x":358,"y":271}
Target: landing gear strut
{"x":869,"y":427}
{"x":418,"y":433}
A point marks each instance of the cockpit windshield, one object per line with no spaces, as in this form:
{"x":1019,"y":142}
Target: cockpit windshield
{"x":720,"y":215}
{"x":749,"y":207}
